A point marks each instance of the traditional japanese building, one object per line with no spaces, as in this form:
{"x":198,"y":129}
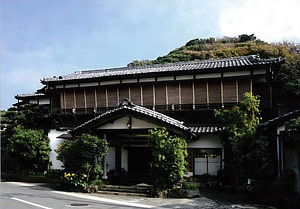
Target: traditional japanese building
{"x":122,"y":104}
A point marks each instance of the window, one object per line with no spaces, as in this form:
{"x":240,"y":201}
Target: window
{"x":207,"y":161}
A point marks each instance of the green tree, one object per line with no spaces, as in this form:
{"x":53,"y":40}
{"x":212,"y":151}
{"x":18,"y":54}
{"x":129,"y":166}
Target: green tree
{"x":27,"y":151}
{"x":30,"y":116}
{"x":239,"y":142}
{"x":80,"y":154}
{"x":289,"y":75}
{"x":169,"y":158}
{"x":242,"y":120}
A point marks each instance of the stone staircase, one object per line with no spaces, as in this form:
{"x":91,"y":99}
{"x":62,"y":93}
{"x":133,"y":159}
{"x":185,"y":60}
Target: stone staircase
{"x":140,"y":190}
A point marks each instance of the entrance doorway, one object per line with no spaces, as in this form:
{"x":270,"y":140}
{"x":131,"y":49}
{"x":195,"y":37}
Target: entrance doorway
{"x":139,"y":159}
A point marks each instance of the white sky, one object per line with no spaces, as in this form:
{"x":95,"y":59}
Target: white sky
{"x":43,"y":38}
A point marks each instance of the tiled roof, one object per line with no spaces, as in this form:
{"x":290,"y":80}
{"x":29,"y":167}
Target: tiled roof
{"x":128,"y":105}
{"x":205,"y":129}
{"x":283,"y":118}
{"x":250,"y":60}
{"x":26,"y":95}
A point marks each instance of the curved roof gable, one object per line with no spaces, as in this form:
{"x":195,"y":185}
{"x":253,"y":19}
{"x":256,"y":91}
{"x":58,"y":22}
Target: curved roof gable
{"x":127,"y":108}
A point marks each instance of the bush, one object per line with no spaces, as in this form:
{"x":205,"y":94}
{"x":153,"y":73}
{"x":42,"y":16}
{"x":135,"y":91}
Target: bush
{"x":27,"y":152}
{"x":169,"y":159}
{"x":284,"y":191}
{"x":80,"y":155}
{"x":190,"y":186}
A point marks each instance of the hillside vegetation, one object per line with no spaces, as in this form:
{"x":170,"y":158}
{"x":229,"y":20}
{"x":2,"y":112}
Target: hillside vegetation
{"x":243,"y":45}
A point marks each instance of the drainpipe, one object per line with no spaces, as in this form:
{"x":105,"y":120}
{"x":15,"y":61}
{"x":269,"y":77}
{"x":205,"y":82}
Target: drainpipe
{"x":279,"y":150}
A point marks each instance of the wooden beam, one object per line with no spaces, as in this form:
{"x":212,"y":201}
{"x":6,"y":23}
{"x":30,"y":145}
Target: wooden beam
{"x":222,"y":92}
{"x":207,"y":93}
{"x":74,"y":93}
{"x":237,"y":90}
{"x":84,"y":96}
{"x":153,"y":91}
{"x":142,"y":101}
{"x":96,"y":99}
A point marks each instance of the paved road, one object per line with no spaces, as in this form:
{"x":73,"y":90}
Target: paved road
{"x":28,"y":196}
{"x":16,"y":195}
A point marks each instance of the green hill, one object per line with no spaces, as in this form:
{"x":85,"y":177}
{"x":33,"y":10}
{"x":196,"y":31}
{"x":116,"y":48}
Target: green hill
{"x":213,"y":48}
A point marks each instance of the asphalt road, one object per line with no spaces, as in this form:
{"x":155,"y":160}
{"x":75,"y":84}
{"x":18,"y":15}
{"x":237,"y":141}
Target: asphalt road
{"x":16,"y":195}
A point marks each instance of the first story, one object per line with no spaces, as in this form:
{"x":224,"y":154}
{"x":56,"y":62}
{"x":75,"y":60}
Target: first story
{"x":126,"y":129}
{"x":132,"y":160}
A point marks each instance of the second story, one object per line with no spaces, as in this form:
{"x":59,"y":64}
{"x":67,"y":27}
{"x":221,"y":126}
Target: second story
{"x":180,"y":90}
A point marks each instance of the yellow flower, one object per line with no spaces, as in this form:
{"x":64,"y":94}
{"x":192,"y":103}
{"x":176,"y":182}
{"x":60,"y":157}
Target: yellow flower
{"x":73,"y":174}
{"x":84,"y":175}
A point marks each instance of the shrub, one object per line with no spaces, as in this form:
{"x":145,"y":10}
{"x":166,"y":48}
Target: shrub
{"x":80,"y":157}
{"x":27,"y":151}
{"x":169,"y":159}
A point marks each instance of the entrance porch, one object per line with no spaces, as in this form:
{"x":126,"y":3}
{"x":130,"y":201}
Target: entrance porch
{"x":126,"y":129}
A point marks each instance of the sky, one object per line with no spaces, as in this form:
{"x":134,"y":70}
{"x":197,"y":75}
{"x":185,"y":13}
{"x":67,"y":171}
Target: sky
{"x":46,"y":38}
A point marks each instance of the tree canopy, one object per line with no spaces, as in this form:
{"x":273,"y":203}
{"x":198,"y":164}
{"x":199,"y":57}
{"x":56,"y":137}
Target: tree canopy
{"x":248,"y":154}
{"x":80,"y":154}
{"x":27,"y":151}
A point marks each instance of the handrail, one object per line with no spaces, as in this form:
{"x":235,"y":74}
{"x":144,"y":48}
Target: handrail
{"x":159,"y":108}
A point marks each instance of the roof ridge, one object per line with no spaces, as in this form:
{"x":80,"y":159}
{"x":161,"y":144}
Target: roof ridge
{"x":127,"y":104}
{"x":238,"y":61}
{"x":250,"y":57}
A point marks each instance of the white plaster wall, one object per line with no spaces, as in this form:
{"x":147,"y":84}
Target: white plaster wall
{"x":121,"y":123}
{"x":54,"y":141}
{"x":110,"y":158}
{"x":44,"y":101}
{"x":124,"y":159}
{"x":206,"y":141}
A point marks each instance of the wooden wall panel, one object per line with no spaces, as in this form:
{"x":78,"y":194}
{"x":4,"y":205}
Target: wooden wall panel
{"x":186,"y":89}
{"x":79,"y":98}
{"x":62,"y":100}
{"x":101,"y":97}
{"x":229,"y":91}
{"x":69,"y":97}
{"x":214,"y":91}
{"x":147,"y":94}
{"x":112,"y":96}
{"x":243,"y":87}
{"x":190,"y":160}
{"x":135,"y":94}
{"x":123,"y":92}
{"x":90,"y":98}
{"x":160,"y":94}
{"x":173,"y":93}
{"x":200,"y":92}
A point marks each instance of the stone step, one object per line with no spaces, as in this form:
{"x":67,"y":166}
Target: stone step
{"x":123,"y":193}
{"x":133,"y":190}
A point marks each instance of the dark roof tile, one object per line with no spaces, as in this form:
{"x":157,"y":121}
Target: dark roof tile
{"x":126,"y":104}
{"x":205,"y":129}
{"x":171,"y":67}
